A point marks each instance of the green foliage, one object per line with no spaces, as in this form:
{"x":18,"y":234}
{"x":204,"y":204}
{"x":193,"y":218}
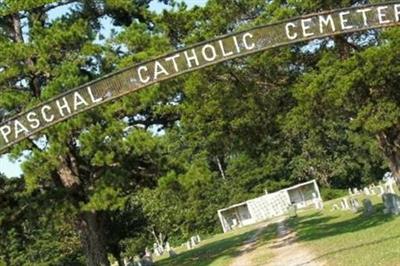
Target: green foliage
{"x":35,"y":231}
{"x":332,"y":193}
{"x":164,"y":160}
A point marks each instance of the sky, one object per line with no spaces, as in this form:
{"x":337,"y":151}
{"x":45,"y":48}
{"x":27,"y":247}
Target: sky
{"x":11,"y":168}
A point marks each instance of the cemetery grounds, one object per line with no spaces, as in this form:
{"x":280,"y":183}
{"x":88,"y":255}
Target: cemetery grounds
{"x":327,"y":237}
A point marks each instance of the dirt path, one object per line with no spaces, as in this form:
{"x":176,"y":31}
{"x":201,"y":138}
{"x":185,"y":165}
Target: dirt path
{"x":285,"y":249}
{"x":244,"y":258}
{"x":288,"y":252}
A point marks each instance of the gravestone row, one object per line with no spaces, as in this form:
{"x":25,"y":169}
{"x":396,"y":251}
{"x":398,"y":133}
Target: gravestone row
{"x":386,"y":190}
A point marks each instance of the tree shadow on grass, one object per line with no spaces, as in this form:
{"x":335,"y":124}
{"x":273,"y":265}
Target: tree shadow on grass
{"x":370,"y":243}
{"x":317,"y":226}
{"x":225,"y":248}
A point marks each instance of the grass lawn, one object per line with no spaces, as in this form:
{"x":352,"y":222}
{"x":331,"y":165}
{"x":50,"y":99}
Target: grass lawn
{"x":222,"y":249}
{"x":346,"y":238}
{"x":335,"y":238}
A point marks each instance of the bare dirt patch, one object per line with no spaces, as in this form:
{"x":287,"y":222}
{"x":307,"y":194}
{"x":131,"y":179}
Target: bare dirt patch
{"x":290,"y":253}
{"x":282,"y":251}
{"x":248,"y":249}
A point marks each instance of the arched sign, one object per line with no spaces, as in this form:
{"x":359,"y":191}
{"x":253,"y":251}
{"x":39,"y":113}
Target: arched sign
{"x":192,"y":58}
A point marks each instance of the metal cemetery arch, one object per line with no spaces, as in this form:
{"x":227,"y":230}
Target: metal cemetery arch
{"x":195,"y":57}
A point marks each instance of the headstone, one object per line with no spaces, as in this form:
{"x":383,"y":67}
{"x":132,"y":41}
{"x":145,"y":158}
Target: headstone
{"x":188,"y":245}
{"x":368,"y":207}
{"x":317,"y":202}
{"x":160,"y":249}
{"x":390,"y":185}
{"x":355,"y":204}
{"x":198,"y":238}
{"x":167,"y":246}
{"x":372,"y":189}
{"x":392,"y":203}
{"x":350,"y":192}
{"x":193,"y":241}
{"x":292,"y":211}
{"x":366,"y":191}
{"x":345,"y":204}
{"x":355,"y":191}
{"x":156,"y":250}
{"x":234,"y":223}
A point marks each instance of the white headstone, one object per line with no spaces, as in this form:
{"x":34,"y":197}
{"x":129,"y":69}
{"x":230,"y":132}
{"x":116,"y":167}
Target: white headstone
{"x":355,"y":204}
{"x":346,"y":204}
{"x":390,"y":183}
{"x":372,"y":189}
{"x":156,"y":250}
{"x":167,"y":246}
{"x":193,"y":241}
{"x":350,"y":192}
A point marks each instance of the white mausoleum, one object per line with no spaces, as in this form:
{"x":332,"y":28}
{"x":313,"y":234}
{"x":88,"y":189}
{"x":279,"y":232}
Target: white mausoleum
{"x":270,"y":205}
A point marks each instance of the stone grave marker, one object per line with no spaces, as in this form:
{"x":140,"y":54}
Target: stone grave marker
{"x":198,"y":238}
{"x":317,"y":202}
{"x":188,"y":245}
{"x":368,"y":207}
{"x":392,"y":203}
{"x":372,"y":189}
{"x":193,"y":241}
{"x":156,"y":250}
{"x":344,"y":204}
{"x":350,"y":192}
{"x":167,"y":246}
{"x":292,"y":209}
{"x":355,"y":204}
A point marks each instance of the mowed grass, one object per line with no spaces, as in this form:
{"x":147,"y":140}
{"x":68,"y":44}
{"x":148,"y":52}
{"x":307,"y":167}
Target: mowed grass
{"x":223,"y":249}
{"x":334,"y":237}
{"x":346,"y":238}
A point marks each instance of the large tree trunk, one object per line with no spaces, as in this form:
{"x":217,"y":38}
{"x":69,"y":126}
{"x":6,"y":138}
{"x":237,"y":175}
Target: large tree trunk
{"x":389,"y":144}
{"x":92,"y":237}
{"x":394,"y":165}
{"x":90,"y":223}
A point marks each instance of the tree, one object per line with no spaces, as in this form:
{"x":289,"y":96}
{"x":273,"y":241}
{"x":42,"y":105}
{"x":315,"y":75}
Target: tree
{"x":360,"y":94}
{"x":260,"y":122}
{"x":167,"y":158}
{"x":43,"y":57}
{"x":33,"y":230}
